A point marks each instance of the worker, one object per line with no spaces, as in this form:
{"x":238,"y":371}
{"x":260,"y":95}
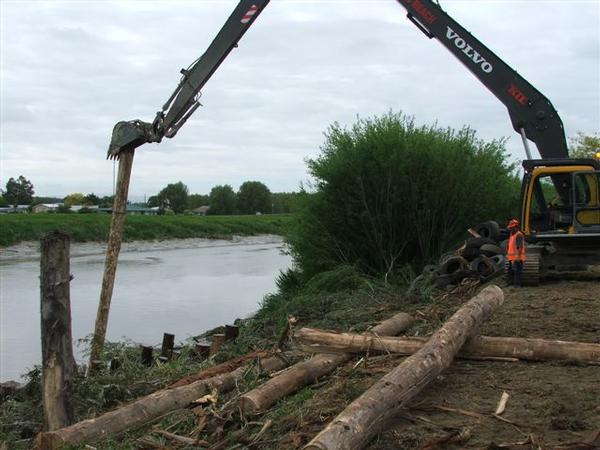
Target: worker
{"x":515,"y":252}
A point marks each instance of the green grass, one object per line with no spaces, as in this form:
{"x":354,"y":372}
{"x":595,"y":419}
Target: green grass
{"x":15,"y":228}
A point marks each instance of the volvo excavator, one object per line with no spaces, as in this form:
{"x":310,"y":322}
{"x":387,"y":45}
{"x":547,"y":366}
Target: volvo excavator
{"x":560,"y":196}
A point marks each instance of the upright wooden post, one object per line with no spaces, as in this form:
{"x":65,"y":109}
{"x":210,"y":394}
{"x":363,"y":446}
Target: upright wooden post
{"x":112,"y":252}
{"x":58,"y":364}
{"x":168,"y":342}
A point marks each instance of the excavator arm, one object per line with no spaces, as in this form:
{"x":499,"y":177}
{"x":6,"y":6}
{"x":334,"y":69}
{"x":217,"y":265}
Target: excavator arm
{"x":532,"y":115}
{"x":128,"y":135}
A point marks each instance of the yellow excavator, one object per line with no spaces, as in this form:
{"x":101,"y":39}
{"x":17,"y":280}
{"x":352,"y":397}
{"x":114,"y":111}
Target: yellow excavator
{"x":560,"y":197}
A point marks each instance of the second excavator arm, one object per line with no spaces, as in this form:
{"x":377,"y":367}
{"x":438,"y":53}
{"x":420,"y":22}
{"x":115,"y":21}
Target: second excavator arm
{"x":532,"y":115}
{"x":128,"y":135}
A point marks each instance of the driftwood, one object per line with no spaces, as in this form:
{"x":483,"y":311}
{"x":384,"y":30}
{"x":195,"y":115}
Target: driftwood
{"x":477,"y":347}
{"x":309,"y":371}
{"x":372,"y":412}
{"x":144,"y":409}
{"x":112,"y":253}
{"x":58,"y":364}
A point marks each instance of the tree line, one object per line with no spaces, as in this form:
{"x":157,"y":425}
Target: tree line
{"x":252,"y":197}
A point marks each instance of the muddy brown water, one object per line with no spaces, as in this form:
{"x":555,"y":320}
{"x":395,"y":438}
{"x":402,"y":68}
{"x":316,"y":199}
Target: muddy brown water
{"x":182,"y":286}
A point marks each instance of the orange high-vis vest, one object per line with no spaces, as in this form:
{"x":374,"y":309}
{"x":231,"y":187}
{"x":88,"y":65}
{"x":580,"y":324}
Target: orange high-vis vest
{"x":513,"y":253}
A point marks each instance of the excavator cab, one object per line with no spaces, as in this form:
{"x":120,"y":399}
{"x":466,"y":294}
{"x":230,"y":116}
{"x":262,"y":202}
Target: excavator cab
{"x":561,"y":197}
{"x":560,"y":213}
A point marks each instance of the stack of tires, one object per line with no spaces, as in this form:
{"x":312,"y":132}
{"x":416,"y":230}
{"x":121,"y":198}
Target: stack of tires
{"x":480,"y":258}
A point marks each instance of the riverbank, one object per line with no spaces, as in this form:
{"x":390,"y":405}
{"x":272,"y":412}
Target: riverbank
{"x":30,"y":250}
{"x":18,"y":228}
{"x":554,"y":402}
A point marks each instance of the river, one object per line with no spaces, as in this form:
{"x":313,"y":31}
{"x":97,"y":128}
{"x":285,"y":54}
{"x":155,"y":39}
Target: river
{"x":182,"y":287}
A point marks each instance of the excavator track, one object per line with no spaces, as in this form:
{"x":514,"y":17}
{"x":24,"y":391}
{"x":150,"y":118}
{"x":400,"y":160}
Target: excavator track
{"x":531,"y":270}
{"x":531,"y":267}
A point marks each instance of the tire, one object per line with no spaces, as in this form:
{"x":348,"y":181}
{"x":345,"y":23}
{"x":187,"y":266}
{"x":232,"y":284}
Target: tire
{"x":470,"y":253}
{"x":429,"y":270}
{"x":483,"y":266}
{"x":499,"y":261}
{"x":490,"y":230}
{"x":446,"y":256}
{"x":491,"y":250}
{"x":477,"y":242}
{"x":453,"y":265}
{"x":441,"y":281}
{"x":459,"y":275}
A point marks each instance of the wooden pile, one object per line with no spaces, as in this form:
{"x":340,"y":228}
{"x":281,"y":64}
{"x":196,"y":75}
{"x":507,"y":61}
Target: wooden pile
{"x":365,"y":417}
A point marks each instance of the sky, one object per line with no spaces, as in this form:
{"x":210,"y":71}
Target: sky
{"x":71,"y":69}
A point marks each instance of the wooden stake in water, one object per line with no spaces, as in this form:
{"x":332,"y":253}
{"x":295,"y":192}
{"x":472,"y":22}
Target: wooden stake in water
{"x":112,"y":252}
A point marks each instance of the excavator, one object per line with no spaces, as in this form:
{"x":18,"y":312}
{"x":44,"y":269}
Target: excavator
{"x":560,"y":196}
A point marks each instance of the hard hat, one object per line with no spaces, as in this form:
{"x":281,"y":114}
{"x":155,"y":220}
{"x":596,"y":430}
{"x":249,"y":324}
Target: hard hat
{"x":513,"y":223}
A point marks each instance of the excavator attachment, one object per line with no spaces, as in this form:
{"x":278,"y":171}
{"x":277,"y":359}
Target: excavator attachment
{"x":129,"y":136}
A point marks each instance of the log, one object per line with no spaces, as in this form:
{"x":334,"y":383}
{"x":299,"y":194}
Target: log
{"x":145,"y":409}
{"x":369,"y":414}
{"x":507,"y":348}
{"x":112,"y":252}
{"x":230,"y":365}
{"x":58,"y":363}
{"x":309,"y":371}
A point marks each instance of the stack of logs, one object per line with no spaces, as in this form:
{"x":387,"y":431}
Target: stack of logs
{"x":369,"y":414}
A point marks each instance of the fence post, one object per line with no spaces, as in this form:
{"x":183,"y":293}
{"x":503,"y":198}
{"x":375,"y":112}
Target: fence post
{"x":58,"y":363}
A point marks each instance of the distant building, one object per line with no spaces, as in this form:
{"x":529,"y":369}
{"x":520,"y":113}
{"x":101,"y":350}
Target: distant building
{"x":201,"y":211}
{"x":46,"y":207}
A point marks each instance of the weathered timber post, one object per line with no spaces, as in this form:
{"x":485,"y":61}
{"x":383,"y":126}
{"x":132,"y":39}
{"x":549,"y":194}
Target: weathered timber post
{"x":231,"y":332}
{"x":168,"y":342}
{"x":58,"y":364}
{"x":202,"y":350}
{"x":217,"y":342}
{"x":372,"y":412}
{"x":147,"y":355}
{"x":112,"y":252}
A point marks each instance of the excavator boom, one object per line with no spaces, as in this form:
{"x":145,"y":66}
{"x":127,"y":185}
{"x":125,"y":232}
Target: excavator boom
{"x":183,"y":102}
{"x":532,"y":115}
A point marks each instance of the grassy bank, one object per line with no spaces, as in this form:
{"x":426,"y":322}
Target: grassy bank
{"x":15,"y":228}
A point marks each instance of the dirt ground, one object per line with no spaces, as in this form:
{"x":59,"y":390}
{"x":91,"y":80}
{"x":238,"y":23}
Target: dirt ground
{"x":551,"y":405}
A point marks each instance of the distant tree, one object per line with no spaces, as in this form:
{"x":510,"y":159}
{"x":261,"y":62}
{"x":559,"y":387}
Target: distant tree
{"x":253,"y":197}
{"x":106,"y":201}
{"x":76,"y":198}
{"x":283,"y":202}
{"x":197,"y":200}
{"x":39,"y":200}
{"x":91,"y":199}
{"x":19,"y":191}
{"x":584,"y":146}
{"x":222,"y":200}
{"x":174,"y":196}
{"x":3,"y":202}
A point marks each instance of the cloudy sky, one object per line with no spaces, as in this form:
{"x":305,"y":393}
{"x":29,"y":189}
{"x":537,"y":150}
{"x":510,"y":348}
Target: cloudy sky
{"x":72,"y":69}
